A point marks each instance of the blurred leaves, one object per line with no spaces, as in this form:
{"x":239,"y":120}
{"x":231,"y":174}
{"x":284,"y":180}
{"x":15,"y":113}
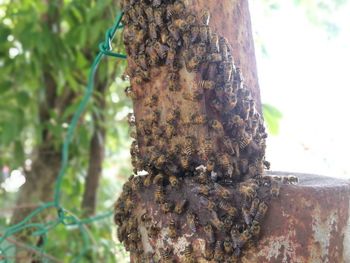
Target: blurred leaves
{"x":272,"y":118}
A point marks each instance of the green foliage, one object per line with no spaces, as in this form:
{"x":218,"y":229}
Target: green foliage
{"x":272,"y":117}
{"x":43,"y":42}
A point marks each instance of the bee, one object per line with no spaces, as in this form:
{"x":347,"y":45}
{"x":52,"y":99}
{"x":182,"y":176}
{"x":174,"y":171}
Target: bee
{"x":216,"y":222}
{"x":172,"y":229}
{"x":158,"y":17}
{"x":176,"y":9}
{"x":191,"y":221}
{"x":129,"y":92}
{"x":191,"y":20}
{"x":217,"y":126}
{"x":222,"y":191}
{"x":149,"y":14}
{"x":165,"y":254}
{"x":255,"y":228}
{"x":174,"y":149}
{"x":254,"y":207}
{"x":267,"y":165}
{"x":160,"y":161}
{"x":194,"y":33}
{"x":248,"y":190}
{"x":180,"y":206}
{"x":201,"y":50}
{"x":214,"y":58}
{"x":193,"y":64}
{"x":244,"y":139}
{"x":214,"y":44}
{"x":185,"y":162}
{"x":245,"y":109}
{"x":228,"y":248}
{"x":169,"y":131}
{"x":152,"y":29}
{"x":199,"y":119}
{"x":121,"y":233}
{"x":181,"y":24}
{"x":203,"y":190}
{"x":174,"y":32}
{"x":174,"y":182}
{"x":203,"y":34}
{"x":209,"y":251}
{"x":202,"y":177}
{"x":145,"y":217}
{"x":166,"y":207}
{"x":218,"y":252}
{"x":153,"y":231}
{"x":129,"y":203}
{"x":156,"y":3}
{"x":275,"y":188}
{"x":172,"y":115}
{"x":262,"y":209}
{"x":227,"y":68}
{"x":235,"y":235}
{"x":228,"y":222}
{"x":170,"y":59}
{"x":206,"y":84}
{"x":151,"y":100}
{"x":159,"y":194}
{"x":188,"y":147}
{"x":223,"y":48}
{"x":224,"y":205}
{"x":158,"y":179}
{"x":136,"y":183}
{"x":246,"y":215}
{"x":134,"y":236}
{"x":243,"y":238}
{"x":211,"y":165}
{"x":290,"y":179}
{"x":173,"y":81}
{"x":193,"y":96}
{"x":204,"y":17}
{"x":161,"y":49}
{"x":230,"y":102}
{"x":208,"y":229}
{"x":208,"y":146}
{"x":207,"y":203}
{"x":189,"y":254}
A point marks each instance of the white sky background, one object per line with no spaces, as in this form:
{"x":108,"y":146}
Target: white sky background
{"x":307,"y":77}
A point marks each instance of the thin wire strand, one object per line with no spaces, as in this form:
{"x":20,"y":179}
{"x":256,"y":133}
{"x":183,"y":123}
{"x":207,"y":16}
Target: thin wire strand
{"x":65,"y":217}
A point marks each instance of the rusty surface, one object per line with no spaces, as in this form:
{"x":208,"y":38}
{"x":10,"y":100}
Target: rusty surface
{"x":309,"y":223}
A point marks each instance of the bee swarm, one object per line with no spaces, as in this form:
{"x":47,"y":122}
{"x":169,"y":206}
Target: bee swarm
{"x":198,"y":136}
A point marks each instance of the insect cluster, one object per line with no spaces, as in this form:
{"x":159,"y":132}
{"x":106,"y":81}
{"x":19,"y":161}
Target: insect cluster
{"x":204,"y":153}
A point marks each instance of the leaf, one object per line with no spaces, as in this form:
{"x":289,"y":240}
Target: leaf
{"x":272,"y":118}
{"x":5,"y":86}
{"x":22,"y":98}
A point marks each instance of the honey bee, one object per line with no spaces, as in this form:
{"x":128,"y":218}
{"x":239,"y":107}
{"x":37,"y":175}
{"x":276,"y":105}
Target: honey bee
{"x":246,"y":216}
{"x":165,"y":254}
{"x":193,"y":96}
{"x":267,"y":164}
{"x":151,"y":100}
{"x":201,"y":50}
{"x":174,"y":149}
{"x":210,"y":165}
{"x":158,"y":17}
{"x":203,"y":190}
{"x":254,"y":207}
{"x":230,"y":102}
{"x":194,"y":33}
{"x":193,"y":64}
{"x":216,"y":105}
{"x":248,"y":190}
{"x":185,"y":162}
{"x":255,"y":228}
{"x":173,"y":115}
{"x":191,"y":221}
{"x":152,"y":30}
{"x":149,"y":14}
{"x":174,"y":32}
{"x":188,"y":147}
{"x":228,"y":248}
{"x":173,"y":80}
{"x":161,"y":49}
{"x":159,"y":194}
{"x":223,"y":48}
{"x":172,"y":229}
{"x":207,"y":203}
{"x":275,"y":188}
{"x":218,"y":252}
{"x":166,"y":207}
{"x":217,"y":126}
{"x":145,"y":217}
{"x":209,"y":251}
{"x":208,"y":229}
{"x":174,"y":182}
{"x":214,"y":58}
{"x":158,"y":179}
{"x":290,"y":179}
{"x":191,"y":20}
{"x":216,"y":222}
{"x":214,"y":44}
{"x":244,"y":139}
{"x":189,"y":254}
{"x":169,"y":131}
{"x":199,"y":119}
{"x":156,"y":3}
{"x":180,"y":206}
{"x":170,"y":59}
{"x":205,"y":16}
{"x":181,"y":24}
{"x":222,"y":191}
{"x":203,"y":34}
{"x":129,"y":203}
{"x":225,"y":162}
{"x":134,"y":236}
{"x":262,"y":209}
{"x":136,"y":183}
{"x":224,"y":205}
{"x":153,"y":231}
{"x":206,"y":84}
{"x":129,"y":92}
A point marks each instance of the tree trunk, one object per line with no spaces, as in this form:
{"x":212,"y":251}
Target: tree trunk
{"x":200,"y":136}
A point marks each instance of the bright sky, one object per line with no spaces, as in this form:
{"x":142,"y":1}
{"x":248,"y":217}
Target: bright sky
{"x":306,"y":76}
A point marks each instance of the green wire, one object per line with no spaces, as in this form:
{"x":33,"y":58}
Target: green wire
{"x":63,"y":216}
